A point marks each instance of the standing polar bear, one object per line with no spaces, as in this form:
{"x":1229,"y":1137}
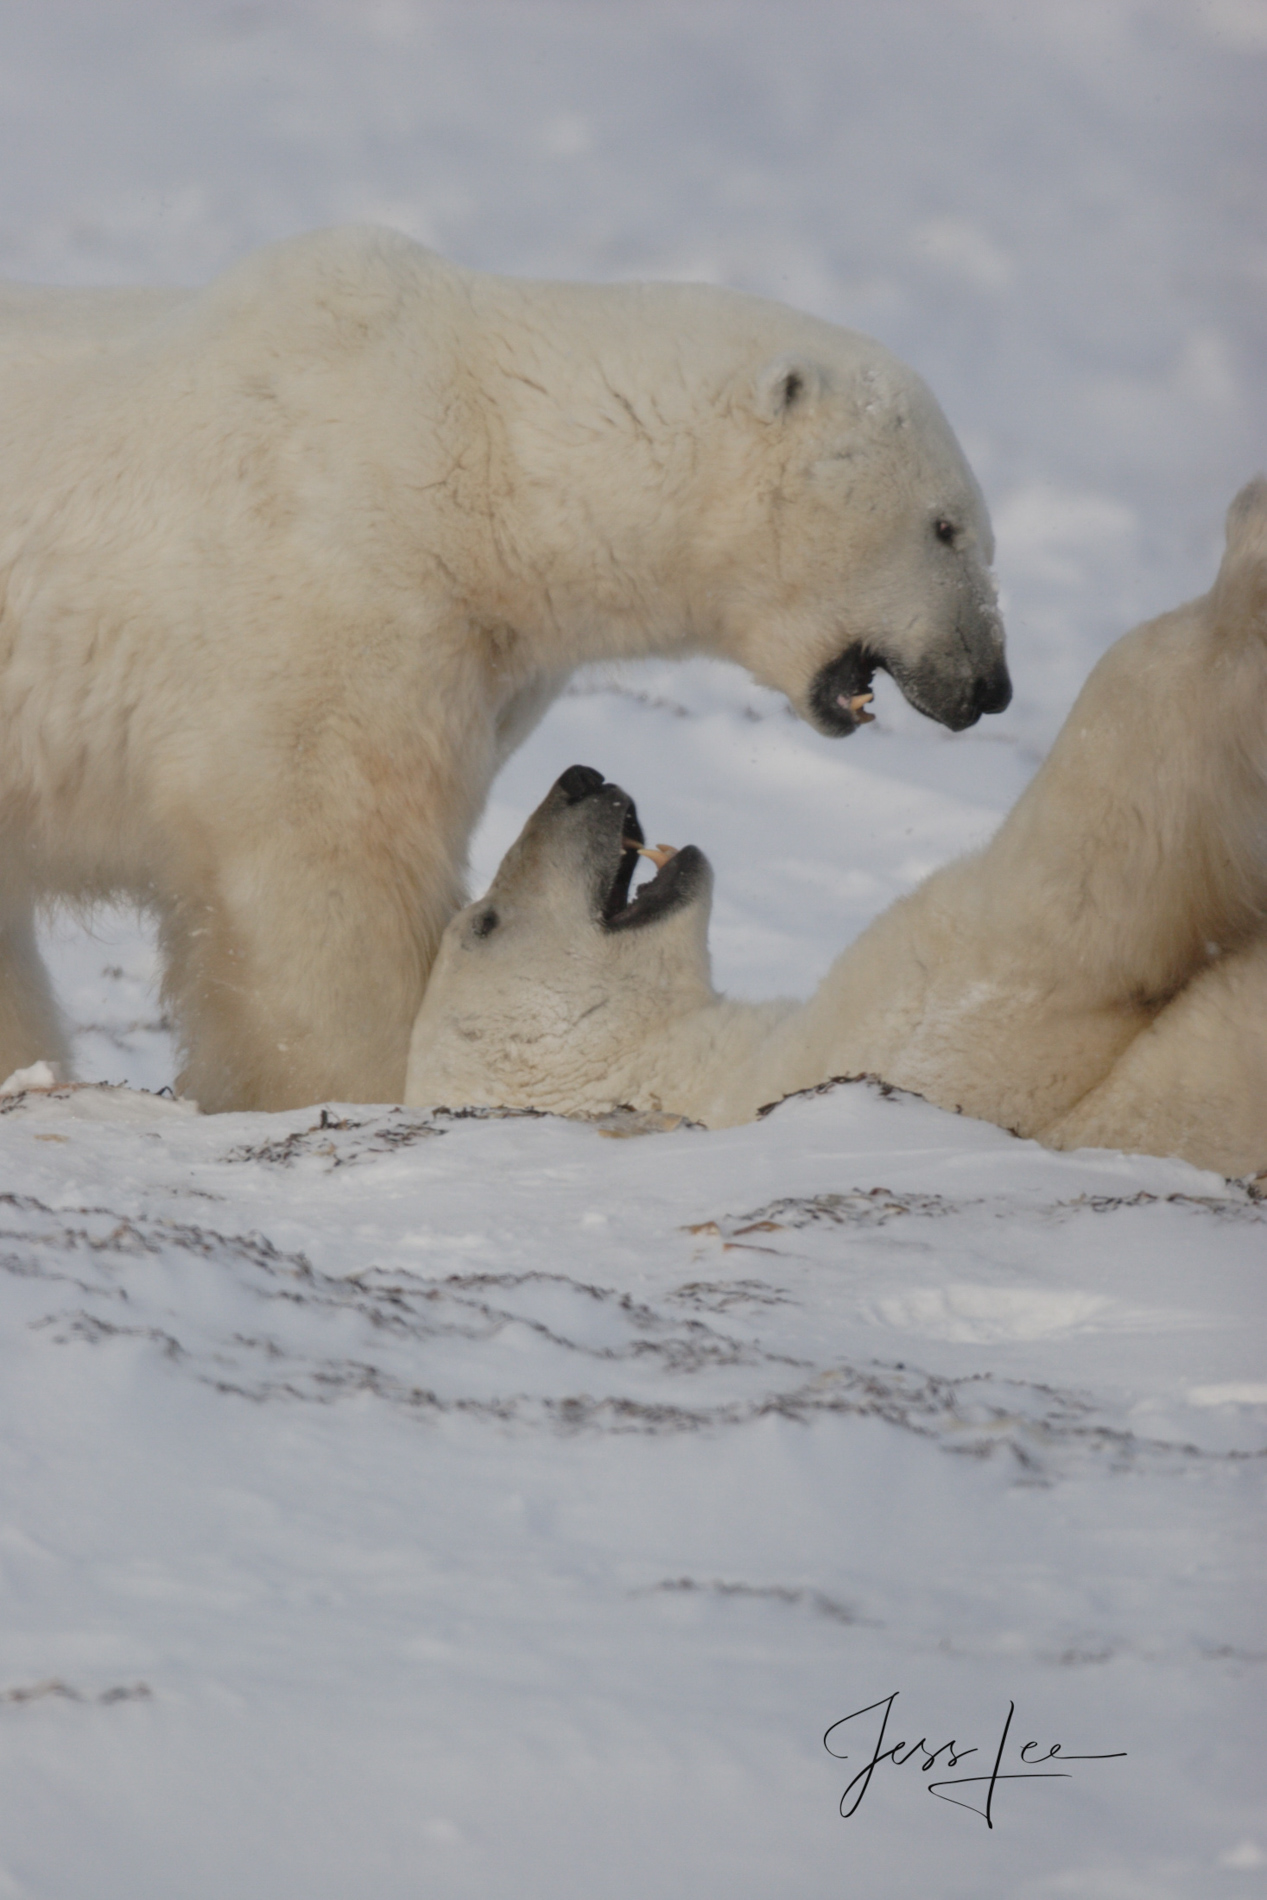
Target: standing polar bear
{"x":1097,"y":976}
{"x":288,"y":566}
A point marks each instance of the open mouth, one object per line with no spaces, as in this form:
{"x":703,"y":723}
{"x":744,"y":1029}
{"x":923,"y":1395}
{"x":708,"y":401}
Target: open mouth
{"x":678,"y":875}
{"x":841,"y":692}
{"x":612,"y":841}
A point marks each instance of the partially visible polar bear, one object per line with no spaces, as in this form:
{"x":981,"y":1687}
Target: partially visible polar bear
{"x":1097,"y":976}
{"x":287,"y":567}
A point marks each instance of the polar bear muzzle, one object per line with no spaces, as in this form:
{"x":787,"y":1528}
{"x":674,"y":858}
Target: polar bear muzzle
{"x":955,"y":695}
{"x":582,"y":844}
{"x":612,"y":847}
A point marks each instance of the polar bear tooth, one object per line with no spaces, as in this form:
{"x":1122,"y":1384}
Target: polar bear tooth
{"x":659,"y":854}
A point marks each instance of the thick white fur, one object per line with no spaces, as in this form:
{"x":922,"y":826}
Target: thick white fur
{"x":1096,"y":976}
{"x":288,"y":566}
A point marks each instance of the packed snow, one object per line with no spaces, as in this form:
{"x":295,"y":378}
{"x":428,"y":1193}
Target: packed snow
{"x":398,"y":1502}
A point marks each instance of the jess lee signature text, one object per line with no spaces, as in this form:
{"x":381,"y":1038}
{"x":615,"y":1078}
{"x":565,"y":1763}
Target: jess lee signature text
{"x":948,"y":1755}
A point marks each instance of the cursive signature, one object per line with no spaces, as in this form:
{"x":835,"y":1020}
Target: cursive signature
{"x":900,"y":1753}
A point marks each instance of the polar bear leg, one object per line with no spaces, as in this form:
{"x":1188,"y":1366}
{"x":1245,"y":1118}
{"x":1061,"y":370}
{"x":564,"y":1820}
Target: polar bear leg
{"x":297,"y":983}
{"x":30,"y":1023}
{"x":1195,"y":1082}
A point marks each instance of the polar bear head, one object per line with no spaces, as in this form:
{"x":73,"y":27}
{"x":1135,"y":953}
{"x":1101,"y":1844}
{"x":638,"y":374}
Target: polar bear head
{"x":847,"y":534}
{"x":559,"y":978}
{"x":689,"y":466}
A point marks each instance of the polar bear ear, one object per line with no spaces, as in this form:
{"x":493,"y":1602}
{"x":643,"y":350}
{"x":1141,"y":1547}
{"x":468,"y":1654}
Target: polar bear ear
{"x":790,"y":384}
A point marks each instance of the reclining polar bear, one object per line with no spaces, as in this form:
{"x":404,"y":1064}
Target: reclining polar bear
{"x":1097,"y":976}
{"x":289,"y":565}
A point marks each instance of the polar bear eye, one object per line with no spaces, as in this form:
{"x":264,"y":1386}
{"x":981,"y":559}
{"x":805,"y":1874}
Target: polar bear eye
{"x":946,"y":531}
{"x":485,"y":924}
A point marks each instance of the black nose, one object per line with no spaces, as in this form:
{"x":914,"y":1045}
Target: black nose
{"x":578,"y":782}
{"x":993,"y":691}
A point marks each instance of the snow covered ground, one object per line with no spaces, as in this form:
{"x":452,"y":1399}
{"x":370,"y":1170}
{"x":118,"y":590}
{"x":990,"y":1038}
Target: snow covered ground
{"x":402,"y":1504}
